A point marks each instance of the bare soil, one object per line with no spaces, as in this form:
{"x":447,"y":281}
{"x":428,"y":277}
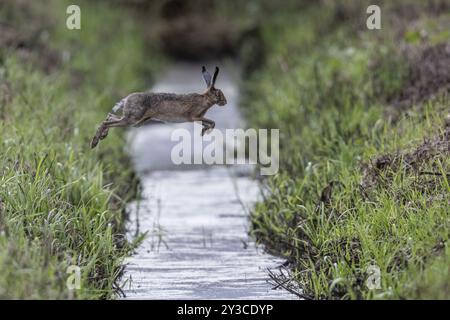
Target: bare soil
{"x":437,"y":148}
{"x":429,"y":75}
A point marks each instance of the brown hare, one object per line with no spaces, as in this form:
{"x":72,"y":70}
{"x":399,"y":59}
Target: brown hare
{"x":139,"y":107}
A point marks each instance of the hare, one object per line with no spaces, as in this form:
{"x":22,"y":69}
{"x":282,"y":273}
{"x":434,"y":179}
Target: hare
{"x":139,"y":107}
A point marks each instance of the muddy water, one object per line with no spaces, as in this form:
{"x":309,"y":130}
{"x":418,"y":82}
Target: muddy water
{"x":196,"y":217}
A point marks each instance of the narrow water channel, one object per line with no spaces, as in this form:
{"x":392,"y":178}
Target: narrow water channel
{"x":196,"y":217}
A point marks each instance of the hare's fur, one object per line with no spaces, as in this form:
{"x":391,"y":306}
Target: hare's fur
{"x":140,"y":107}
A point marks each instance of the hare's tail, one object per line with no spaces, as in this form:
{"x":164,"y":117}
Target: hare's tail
{"x":119,"y":105}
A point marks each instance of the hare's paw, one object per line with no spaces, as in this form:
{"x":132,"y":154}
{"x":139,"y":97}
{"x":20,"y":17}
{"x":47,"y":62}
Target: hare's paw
{"x":101,"y":134}
{"x":94,"y":142}
{"x":104,"y":133}
{"x":207,"y":130}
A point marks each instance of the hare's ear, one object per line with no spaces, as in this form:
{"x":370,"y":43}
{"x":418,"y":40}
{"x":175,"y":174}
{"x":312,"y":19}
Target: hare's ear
{"x":206,"y":76}
{"x":216,"y":72}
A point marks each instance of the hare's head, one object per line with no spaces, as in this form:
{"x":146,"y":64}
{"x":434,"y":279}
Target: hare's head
{"x":213,"y":94}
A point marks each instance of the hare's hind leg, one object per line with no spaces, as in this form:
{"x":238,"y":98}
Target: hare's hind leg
{"x":117,"y":122}
{"x":110,"y":117}
{"x":111,"y":121}
{"x":101,"y":133}
{"x":142,"y":121}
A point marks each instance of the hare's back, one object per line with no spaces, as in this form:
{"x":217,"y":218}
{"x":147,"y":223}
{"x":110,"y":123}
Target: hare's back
{"x":170,"y":103}
{"x":152,"y":99}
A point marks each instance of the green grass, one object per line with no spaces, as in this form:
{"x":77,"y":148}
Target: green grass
{"x":328,"y":84}
{"x":60,"y":202}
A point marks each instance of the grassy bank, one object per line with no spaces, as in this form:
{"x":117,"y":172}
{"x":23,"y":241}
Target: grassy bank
{"x":60,"y":202}
{"x":364,"y":148}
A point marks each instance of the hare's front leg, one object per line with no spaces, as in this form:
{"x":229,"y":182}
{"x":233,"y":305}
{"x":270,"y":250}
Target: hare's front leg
{"x":207,"y":124}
